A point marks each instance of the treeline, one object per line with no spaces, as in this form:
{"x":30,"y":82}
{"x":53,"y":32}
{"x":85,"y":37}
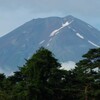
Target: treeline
{"x":41,"y":78}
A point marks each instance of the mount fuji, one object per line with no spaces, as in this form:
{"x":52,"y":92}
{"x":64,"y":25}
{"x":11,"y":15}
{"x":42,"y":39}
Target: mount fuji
{"x":67,"y":37}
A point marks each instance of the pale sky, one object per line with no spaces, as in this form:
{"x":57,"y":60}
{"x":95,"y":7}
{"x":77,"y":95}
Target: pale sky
{"x":14,"y":13}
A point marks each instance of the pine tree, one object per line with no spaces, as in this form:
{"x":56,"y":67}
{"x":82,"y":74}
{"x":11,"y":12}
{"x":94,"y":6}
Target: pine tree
{"x":88,"y":73}
{"x":38,"y":71}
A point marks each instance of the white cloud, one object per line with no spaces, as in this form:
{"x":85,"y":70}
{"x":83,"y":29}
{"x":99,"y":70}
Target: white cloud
{"x":68,"y":65}
{"x":7,"y":72}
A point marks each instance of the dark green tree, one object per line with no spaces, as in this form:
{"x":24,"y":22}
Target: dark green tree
{"x":37,"y":73}
{"x":88,"y":74}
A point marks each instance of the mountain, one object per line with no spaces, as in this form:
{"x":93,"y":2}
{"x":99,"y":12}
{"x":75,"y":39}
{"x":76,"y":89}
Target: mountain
{"x":68,"y":38}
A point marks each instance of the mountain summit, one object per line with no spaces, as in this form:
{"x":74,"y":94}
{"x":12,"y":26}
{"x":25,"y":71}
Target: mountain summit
{"x":68,"y":38}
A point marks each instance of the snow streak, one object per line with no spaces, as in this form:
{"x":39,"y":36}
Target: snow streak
{"x":93,"y":44}
{"x":79,"y":35}
{"x":55,"y":32}
{"x":42,"y":42}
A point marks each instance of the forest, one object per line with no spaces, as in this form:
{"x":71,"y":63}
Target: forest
{"x":41,"y":78}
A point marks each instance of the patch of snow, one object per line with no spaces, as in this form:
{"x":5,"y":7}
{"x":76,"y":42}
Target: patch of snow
{"x":68,"y":65}
{"x":42,"y":42}
{"x":79,"y":35}
{"x":55,"y":32}
{"x":93,"y":44}
{"x":66,"y":24}
{"x":48,"y":44}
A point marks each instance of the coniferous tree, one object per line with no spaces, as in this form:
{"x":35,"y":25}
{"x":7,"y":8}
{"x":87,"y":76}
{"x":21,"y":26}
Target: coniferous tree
{"x":88,"y":73}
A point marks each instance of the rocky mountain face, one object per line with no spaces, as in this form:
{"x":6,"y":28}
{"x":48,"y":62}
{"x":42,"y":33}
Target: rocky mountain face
{"x":68,"y":38}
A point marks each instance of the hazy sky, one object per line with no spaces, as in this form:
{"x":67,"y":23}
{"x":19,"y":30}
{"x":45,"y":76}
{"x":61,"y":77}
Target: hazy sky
{"x":14,"y":13}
